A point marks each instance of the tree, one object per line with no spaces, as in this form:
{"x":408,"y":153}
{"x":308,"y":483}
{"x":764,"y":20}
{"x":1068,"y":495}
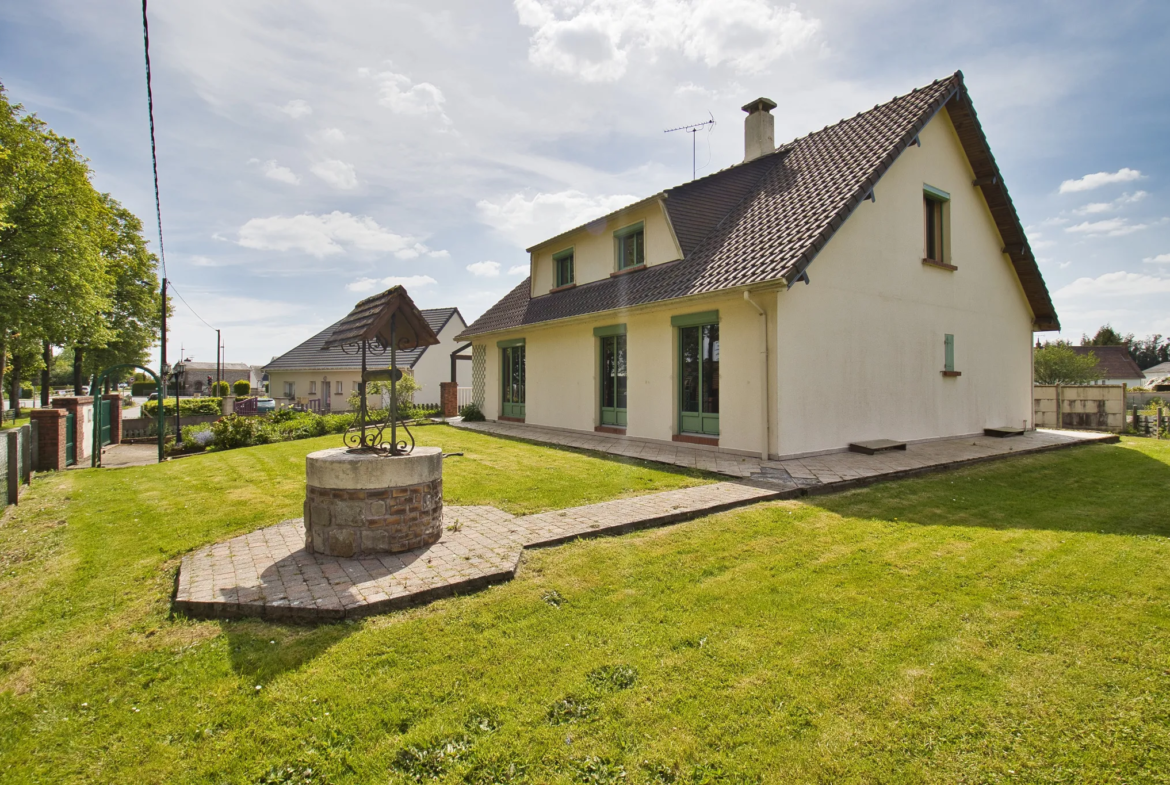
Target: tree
{"x":1057,"y":363}
{"x":1146,"y":352}
{"x":1107,"y":336}
{"x":53,"y":282}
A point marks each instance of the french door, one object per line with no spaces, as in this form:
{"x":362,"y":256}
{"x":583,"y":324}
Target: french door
{"x":512,"y":376}
{"x":699,"y":380}
{"x":613,"y":380}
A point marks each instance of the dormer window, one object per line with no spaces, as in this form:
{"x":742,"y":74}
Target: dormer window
{"x":934,"y":204}
{"x":630,"y":243}
{"x":563,"y":268}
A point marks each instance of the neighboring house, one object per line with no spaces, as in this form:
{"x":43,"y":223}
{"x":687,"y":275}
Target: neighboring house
{"x":690,"y":315}
{"x":1115,"y":365}
{"x":1159,"y":371}
{"x":196,"y":374}
{"x":309,"y":373}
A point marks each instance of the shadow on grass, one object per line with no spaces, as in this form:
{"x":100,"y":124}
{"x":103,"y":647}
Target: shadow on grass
{"x":1097,"y":488}
{"x":263,"y":651}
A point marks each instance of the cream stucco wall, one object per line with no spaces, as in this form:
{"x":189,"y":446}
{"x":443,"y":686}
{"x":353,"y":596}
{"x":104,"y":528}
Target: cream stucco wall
{"x":563,"y":362}
{"x":855,"y":355}
{"x":594,"y":250}
{"x":861,"y":348}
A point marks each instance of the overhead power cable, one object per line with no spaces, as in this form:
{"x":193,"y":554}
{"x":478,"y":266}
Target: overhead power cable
{"x":153,"y":152}
{"x":171,"y":286}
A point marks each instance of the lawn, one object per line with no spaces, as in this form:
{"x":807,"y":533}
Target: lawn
{"x":1007,"y":622}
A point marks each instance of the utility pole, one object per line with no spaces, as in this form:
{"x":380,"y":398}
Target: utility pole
{"x":162,"y":362}
{"x":218,"y":370}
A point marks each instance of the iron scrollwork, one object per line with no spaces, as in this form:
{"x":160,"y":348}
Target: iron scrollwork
{"x":368,"y":435}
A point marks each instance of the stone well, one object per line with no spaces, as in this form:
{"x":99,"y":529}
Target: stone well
{"x":359,"y":503}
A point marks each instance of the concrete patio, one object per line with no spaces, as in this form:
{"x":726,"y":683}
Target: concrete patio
{"x":810,"y":474}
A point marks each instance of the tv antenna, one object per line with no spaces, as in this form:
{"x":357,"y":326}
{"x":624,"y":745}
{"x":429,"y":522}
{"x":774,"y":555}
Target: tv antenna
{"x":693,"y":129}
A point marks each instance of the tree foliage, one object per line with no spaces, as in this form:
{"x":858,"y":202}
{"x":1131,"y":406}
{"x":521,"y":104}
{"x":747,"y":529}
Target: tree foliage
{"x":1057,"y":363}
{"x":74,"y":268}
{"x":1146,"y":352}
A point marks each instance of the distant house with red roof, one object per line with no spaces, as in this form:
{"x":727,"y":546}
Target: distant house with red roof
{"x":1115,"y":364}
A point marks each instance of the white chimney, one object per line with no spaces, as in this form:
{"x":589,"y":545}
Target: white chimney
{"x":759,"y":129}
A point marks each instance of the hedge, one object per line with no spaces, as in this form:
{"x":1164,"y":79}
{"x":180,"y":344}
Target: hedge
{"x":140,"y":389}
{"x":241,"y":387}
{"x":186,"y":406}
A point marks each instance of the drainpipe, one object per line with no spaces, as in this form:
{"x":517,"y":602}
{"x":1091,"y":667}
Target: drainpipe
{"x":764,"y":418}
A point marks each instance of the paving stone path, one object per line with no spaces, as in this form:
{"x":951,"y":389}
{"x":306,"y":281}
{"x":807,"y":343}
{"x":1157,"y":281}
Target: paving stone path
{"x":268,"y":573}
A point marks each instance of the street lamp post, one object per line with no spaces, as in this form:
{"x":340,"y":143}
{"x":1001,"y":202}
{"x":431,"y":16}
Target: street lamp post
{"x":178,"y":376}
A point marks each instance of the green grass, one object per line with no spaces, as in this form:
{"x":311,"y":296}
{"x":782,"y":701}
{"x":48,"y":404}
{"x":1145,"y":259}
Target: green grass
{"x":1008,"y":622}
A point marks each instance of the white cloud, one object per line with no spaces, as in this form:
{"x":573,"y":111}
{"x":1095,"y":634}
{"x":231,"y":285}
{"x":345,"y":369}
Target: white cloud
{"x":400,"y":95}
{"x":328,"y":136}
{"x":282,"y":174}
{"x":518,"y":269}
{"x":1162,"y":258}
{"x":528,"y":220}
{"x":368,"y":284}
{"x":484,"y":269}
{"x":1110,"y":227}
{"x":297,"y":108}
{"x":593,"y":39}
{"x":1117,"y":284}
{"x":338,"y":174}
{"x":1091,"y":181}
{"x":1096,"y":208}
{"x":326,"y":235}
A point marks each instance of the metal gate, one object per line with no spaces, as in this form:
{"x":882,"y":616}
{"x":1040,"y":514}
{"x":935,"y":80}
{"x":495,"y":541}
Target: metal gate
{"x":70,"y":439}
{"x":107,"y":412}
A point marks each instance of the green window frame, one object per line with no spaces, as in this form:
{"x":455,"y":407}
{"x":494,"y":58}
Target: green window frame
{"x":563,"y":268}
{"x":513,"y":377}
{"x":949,"y":353}
{"x":934,"y":204}
{"x":698,"y":372}
{"x":630,"y":246}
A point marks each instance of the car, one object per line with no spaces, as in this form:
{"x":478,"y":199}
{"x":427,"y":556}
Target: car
{"x":265,"y":405}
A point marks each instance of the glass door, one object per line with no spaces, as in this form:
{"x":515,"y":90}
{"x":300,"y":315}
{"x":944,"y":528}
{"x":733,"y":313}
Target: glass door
{"x":699,"y":380}
{"x":512,"y":377}
{"x":613,"y":380}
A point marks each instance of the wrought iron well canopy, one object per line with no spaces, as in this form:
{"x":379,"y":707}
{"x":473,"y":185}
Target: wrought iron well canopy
{"x":387,"y":322}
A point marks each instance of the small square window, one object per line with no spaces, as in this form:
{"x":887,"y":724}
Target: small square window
{"x":563,"y":268}
{"x":312,"y":388}
{"x":631,"y":246}
{"x":340,"y":389}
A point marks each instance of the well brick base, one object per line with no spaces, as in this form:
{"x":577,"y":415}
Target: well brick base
{"x":385,"y":520}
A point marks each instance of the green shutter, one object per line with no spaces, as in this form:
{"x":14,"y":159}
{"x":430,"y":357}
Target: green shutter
{"x":949,"y":343}
{"x":694,"y":319}
{"x":609,"y":329}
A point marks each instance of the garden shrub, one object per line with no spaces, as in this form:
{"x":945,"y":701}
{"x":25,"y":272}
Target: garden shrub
{"x":471,"y":413}
{"x":140,"y":389}
{"x":219,"y":388}
{"x":241,"y":387}
{"x":199,"y":435}
{"x":234,"y":431}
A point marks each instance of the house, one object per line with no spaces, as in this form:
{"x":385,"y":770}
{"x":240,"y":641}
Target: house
{"x":197,"y":376}
{"x":1115,"y":364}
{"x":868,"y":280}
{"x":1156,"y":373}
{"x":309,"y":373}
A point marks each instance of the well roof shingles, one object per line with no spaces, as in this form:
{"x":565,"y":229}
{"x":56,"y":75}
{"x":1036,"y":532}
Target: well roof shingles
{"x":766,"y":220}
{"x":310,"y":356}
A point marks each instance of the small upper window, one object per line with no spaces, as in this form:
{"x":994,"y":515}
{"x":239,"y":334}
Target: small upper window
{"x":340,"y":389}
{"x":312,"y":388}
{"x":563,"y":268}
{"x":631,"y":246}
{"x":934,"y":204}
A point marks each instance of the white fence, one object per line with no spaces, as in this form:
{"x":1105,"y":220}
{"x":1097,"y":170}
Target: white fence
{"x":464,"y":396}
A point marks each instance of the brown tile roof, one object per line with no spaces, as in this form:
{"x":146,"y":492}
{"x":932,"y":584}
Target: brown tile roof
{"x":766,"y":220}
{"x":1114,"y":362}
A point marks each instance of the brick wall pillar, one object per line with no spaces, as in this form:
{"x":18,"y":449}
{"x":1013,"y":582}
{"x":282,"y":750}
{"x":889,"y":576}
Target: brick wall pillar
{"x":449,"y":398}
{"x":115,"y":400}
{"x":50,"y":438}
{"x":81,"y":407}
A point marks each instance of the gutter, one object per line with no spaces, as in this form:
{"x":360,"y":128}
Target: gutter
{"x":765,"y":420}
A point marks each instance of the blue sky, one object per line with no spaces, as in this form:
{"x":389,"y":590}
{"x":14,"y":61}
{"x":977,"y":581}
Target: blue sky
{"x":312,"y":152}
